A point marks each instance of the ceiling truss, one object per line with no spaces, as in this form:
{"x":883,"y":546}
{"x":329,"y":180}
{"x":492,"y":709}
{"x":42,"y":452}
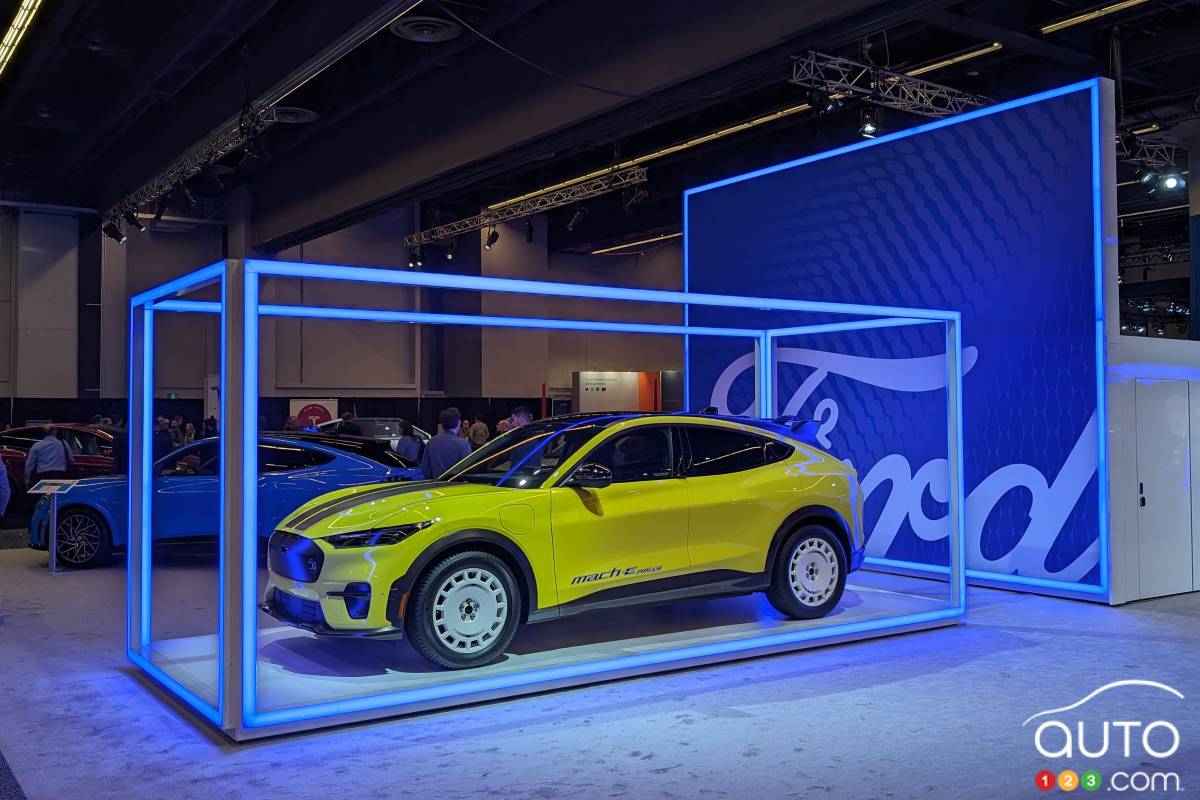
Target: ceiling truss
{"x":533,"y":205}
{"x":847,"y":78}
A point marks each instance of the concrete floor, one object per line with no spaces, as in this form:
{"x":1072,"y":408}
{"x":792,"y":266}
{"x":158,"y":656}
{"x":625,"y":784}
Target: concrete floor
{"x":931,"y":714}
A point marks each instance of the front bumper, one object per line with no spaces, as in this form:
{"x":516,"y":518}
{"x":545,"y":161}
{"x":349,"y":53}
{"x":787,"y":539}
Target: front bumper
{"x":309,"y":614}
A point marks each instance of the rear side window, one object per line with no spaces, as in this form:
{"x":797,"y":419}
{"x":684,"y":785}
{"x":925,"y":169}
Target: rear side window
{"x":777,"y":451}
{"x":21,"y":439}
{"x":718,"y":451}
{"x":379,"y":451}
{"x":285,"y":458}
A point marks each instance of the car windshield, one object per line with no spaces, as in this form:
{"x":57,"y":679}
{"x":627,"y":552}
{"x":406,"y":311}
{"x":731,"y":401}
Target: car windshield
{"x":525,"y":457}
{"x":379,"y":427}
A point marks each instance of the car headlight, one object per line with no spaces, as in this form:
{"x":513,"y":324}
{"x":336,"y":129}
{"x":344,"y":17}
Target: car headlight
{"x":393,"y":534}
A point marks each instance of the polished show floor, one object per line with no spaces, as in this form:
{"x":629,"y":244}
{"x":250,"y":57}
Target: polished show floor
{"x":297,"y":668}
{"x":931,"y":714}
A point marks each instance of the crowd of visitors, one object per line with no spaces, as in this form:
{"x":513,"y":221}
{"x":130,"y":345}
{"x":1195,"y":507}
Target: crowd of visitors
{"x":458,"y":436}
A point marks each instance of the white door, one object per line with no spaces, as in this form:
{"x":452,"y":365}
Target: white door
{"x":1164,"y":487}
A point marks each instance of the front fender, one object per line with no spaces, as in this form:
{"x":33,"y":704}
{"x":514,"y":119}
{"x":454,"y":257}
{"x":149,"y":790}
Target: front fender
{"x":453,"y":542}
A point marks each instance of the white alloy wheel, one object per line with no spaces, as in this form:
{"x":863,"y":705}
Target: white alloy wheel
{"x":469,"y":610}
{"x":813,"y":571}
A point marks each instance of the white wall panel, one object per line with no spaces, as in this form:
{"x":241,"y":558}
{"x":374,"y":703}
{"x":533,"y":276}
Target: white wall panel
{"x":1165,"y":505}
{"x":47,"y":318}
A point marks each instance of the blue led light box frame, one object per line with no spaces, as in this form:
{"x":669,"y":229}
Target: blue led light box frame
{"x":236,"y":711}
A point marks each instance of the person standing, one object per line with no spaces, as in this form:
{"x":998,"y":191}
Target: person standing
{"x":176,"y":432}
{"x":408,"y":446}
{"x":189,"y":433}
{"x":447,"y":448}
{"x":521,"y":415}
{"x":163,"y":443}
{"x":48,"y":459}
{"x":479,"y":432}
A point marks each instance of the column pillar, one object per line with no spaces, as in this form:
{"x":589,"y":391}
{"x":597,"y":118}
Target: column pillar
{"x":1193,"y":179}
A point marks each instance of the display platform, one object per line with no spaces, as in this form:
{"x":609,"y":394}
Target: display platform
{"x":215,"y":651}
{"x":299,"y":669}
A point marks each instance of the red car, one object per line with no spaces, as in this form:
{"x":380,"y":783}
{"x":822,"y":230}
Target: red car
{"x":95,"y":450}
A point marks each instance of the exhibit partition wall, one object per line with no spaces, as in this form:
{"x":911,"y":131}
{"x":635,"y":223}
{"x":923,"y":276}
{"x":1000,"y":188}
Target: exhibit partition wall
{"x":290,"y":649}
{"x":1006,"y":214}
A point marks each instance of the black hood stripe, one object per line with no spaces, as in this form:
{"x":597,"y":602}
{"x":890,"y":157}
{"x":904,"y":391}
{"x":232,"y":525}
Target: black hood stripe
{"x":326,"y":510}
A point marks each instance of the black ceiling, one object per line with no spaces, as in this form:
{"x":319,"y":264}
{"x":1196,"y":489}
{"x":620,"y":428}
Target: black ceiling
{"x":102,"y":95}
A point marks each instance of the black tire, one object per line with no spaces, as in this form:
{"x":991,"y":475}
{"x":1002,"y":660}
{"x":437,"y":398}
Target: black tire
{"x":473,"y":586}
{"x":812,"y":593}
{"x":84,"y":539}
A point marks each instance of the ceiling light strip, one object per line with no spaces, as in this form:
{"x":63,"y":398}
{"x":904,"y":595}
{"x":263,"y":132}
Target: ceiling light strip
{"x":1088,"y":16}
{"x":666,"y":151}
{"x":721,"y":133}
{"x":12,"y":37}
{"x":649,"y":240}
{"x":1150,"y":211}
{"x":955,"y":59}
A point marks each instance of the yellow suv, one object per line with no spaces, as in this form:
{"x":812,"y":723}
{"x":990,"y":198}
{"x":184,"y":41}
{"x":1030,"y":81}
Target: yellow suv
{"x":567,"y":515}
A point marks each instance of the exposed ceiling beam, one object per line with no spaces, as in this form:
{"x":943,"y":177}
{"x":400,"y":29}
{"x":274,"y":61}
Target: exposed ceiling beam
{"x":39,"y":49}
{"x":169,"y":53}
{"x":1012,"y":40}
{"x":1148,"y":52}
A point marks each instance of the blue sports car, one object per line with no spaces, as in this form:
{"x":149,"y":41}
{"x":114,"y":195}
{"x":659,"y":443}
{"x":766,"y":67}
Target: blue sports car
{"x":292,"y":469}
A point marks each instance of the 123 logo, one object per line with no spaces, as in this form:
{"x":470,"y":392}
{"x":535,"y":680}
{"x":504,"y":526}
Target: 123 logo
{"x":1110,"y":730}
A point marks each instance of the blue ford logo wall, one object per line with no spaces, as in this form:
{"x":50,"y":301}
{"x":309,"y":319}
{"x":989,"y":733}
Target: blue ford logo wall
{"x":924,"y":219}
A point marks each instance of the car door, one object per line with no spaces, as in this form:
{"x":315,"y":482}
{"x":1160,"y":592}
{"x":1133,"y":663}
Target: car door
{"x":739,"y":494}
{"x":630,"y":537}
{"x":187,"y":489}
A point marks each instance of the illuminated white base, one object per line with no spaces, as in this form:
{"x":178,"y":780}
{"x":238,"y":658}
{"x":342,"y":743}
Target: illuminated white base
{"x":298,"y":669}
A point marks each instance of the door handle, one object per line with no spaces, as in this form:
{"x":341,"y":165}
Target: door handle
{"x":1141,"y":502}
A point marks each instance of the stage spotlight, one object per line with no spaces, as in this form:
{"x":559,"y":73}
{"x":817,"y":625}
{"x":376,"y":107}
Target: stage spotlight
{"x":189,"y":199}
{"x":492,"y":237}
{"x":113,"y":232}
{"x":529,"y":231}
{"x":161,"y":208}
{"x":1160,"y":331}
{"x":412,"y":259}
{"x":869,"y":125}
{"x":823,"y":102}
{"x":420,"y":260}
{"x":450,"y":250}
{"x":1148,"y":179}
{"x":132,"y":218}
{"x":1171,"y":181}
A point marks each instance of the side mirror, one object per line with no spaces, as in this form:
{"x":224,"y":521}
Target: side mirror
{"x":591,"y":476}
